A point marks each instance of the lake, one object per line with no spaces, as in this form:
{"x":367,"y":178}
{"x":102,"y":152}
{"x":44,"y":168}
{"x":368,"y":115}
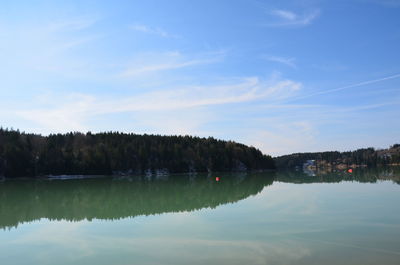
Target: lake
{"x":255,"y":218}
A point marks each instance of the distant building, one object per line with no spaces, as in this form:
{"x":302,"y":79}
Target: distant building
{"x":309,"y":167}
{"x":309,"y":163}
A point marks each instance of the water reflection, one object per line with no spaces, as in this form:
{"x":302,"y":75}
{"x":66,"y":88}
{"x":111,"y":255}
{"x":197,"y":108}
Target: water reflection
{"x":362,"y":175}
{"x":115,"y":198}
{"x":347,"y":223}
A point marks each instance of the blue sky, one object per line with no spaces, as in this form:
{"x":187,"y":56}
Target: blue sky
{"x":283,"y":76}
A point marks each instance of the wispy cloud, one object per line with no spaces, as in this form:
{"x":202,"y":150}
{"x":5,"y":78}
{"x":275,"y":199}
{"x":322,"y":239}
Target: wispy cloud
{"x":283,"y":60}
{"x":135,"y":71}
{"x":364,"y":83}
{"x":246,"y":89}
{"x":49,"y":46}
{"x":152,"y":30}
{"x":290,"y":18}
{"x":72,"y":24}
{"x":70,"y":116}
{"x":285,"y":14}
{"x":283,"y":138}
{"x":157,"y":62}
{"x":74,"y":114}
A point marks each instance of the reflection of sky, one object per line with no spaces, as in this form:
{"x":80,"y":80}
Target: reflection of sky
{"x":345,"y":223}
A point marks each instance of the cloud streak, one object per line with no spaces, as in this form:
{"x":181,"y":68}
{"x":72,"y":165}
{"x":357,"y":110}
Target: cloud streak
{"x":282,"y":138}
{"x":248,"y":89}
{"x":290,"y":18}
{"x":162,"y":66}
{"x":349,"y":86}
{"x":282,"y":60}
{"x":72,"y":24}
{"x":158,"y":62}
{"x":74,"y":114}
{"x":151,"y":30}
{"x":49,"y":47}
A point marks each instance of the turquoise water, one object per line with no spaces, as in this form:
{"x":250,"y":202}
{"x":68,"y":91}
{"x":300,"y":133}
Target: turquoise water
{"x":263,"y":218}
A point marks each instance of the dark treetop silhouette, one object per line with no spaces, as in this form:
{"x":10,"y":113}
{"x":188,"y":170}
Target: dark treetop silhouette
{"x":360,"y":157}
{"x":28,"y":155}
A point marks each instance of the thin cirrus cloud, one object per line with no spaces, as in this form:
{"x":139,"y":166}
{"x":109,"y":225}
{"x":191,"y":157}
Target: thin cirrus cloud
{"x":150,"y":63}
{"x":72,"y":24}
{"x":290,"y":18}
{"x":85,"y":107}
{"x":49,"y":46}
{"x":244,"y":90}
{"x":283,"y":137}
{"x":162,"y":66}
{"x":152,"y":30}
{"x":50,"y":36}
{"x":282,"y":60}
{"x":364,"y":83}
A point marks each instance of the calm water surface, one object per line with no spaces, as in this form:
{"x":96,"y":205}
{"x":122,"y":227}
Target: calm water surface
{"x":264,"y":218}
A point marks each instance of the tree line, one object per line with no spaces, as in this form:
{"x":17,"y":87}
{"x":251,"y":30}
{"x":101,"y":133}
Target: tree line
{"x":28,"y":155}
{"x":366,"y":156}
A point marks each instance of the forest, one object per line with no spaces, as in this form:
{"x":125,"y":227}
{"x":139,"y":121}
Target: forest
{"x":29,"y":155}
{"x":369,"y":157}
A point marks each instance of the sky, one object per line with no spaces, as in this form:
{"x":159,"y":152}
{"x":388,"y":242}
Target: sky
{"x":282,"y":76}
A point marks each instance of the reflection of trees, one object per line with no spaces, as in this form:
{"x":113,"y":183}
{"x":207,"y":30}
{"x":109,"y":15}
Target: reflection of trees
{"x":110,"y":198}
{"x":364,"y":175}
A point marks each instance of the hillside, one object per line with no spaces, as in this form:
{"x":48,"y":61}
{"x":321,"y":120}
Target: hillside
{"x":29,"y":155}
{"x":334,"y":159}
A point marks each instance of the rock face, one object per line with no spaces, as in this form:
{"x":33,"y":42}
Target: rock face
{"x":240,"y":166}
